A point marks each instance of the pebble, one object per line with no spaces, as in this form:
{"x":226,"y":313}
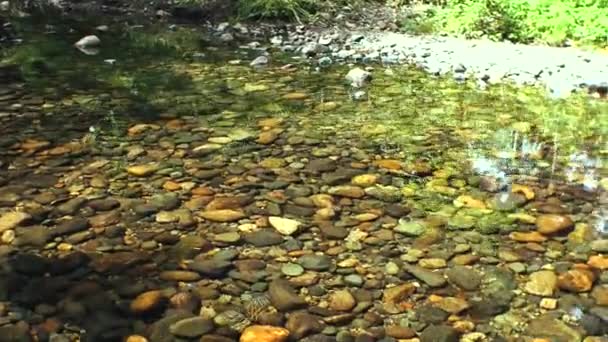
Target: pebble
{"x":410,"y":228}
{"x":191,"y":327}
{"x":142,"y":170}
{"x":541,"y":283}
{"x":464,"y":277}
{"x":222,"y":215}
{"x":291,"y":269}
{"x":439,"y":333}
{"x":12,"y":219}
{"x":185,"y":276}
{"x":393,"y":298}
{"x":264,"y":333}
{"x":315,"y":262}
{"x":147,"y":302}
{"x":551,"y":223}
{"x":283,"y":296}
{"x":576,"y":280}
{"x":342,"y":300}
{"x":302,"y":324}
{"x":284,"y":226}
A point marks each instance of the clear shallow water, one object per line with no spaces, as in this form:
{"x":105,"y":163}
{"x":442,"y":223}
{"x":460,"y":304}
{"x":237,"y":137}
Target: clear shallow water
{"x":143,"y":73}
{"x":153,"y":95}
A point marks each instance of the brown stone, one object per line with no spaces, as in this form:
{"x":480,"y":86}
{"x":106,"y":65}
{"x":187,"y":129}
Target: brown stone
{"x":229,"y":202}
{"x":270,"y":122}
{"x":142,"y":170}
{"x":179,"y":275}
{"x":600,"y":294}
{"x":222,"y":215}
{"x":264,"y":333}
{"x":268,"y":137}
{"x":399,"y":332}
{"x":527,"y":237}
{"x":598,"y":261}
{"x":342,"y":300}
{"x":465,"y":259}
{"x":524,"y":190}
{"x":541,"y":283}
{"x":202,"y":191}
{"x":576,"y":280}
{"x":394,"y":298}
{"x":148,"y":302}
{"x":389,"y":164}
{"x":171,"y":186}
{"x":349,"y":191}
{"x":136,"y":338}
{"x":552,"y":223}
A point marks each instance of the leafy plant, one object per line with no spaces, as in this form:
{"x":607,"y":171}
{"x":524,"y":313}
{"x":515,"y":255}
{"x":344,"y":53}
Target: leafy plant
{"x":547,"y":21}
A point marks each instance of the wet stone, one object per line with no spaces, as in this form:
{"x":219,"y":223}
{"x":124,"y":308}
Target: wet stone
{"x":431,"y":278}
{"x":301,"y":325}
{"x":33,"y":235}
{"x":263,"y":238}
{"x":508,"y":201}
{"x":283,"y":296}
{"x":464,"y":277}
{"x":70,"y":226}
{"x":431,"y":315}
{"x":410,"y":228}
{"x":331,"y":231}
{"x":342,"y":300}
{"x":103,"y":204}
{"x":291,"y":269}
{"x":552,"y":328}
{"x":211,"y":267}
{"x":191,"y":327}
{"x":315,"y":262}
{"x":541,"y":283}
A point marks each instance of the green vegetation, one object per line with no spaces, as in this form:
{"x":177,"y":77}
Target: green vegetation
{"x":545,"y":21}
{"x":296,"y":9}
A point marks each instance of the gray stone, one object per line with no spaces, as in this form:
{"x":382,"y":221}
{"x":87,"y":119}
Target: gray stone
{"x":264,"y":238}
{"x":70,"y":226}
{"x":464,"y":277}
{"x":431,"y":278}
{"x":283,"y":296}
{"x":439,"y":333}
{"x":191,"y":327}
{"x":553,"y":329}
{"x":259,"y":61}
{"x":315,"y":262}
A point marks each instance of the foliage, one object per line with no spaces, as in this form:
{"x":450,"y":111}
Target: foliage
{"x":289,"y":9}
{"x":547,"y":21}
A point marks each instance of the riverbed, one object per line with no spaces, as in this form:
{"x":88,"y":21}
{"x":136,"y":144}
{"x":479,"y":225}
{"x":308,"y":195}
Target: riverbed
{"x":161,"y":188}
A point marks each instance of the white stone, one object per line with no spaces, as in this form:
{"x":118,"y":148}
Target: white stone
{"x":358,"y":77}
{"x":284,"y":226}
{"x":88,"y":41}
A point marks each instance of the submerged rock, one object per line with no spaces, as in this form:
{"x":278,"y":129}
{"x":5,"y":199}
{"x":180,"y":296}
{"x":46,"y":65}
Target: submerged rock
{"x":358,"y":77}
{"x":88,"y":42}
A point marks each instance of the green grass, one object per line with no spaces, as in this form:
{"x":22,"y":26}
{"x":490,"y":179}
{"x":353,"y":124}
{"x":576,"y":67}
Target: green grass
{"x":553,"y":22}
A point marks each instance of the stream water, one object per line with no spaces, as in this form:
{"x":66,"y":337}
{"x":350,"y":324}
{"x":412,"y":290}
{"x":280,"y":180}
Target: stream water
{"x":162,"y":189}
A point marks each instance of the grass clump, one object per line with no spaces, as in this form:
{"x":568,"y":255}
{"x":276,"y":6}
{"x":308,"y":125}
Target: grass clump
{"x":552,"y":22}
{"x":283,"y":9}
